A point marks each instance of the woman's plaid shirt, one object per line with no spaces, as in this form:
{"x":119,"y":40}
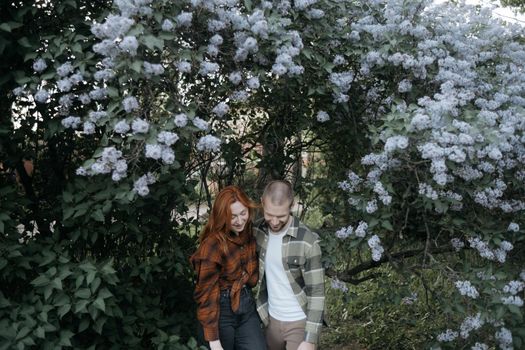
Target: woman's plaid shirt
{"x":302,"y":264}
{"x":219,"y":270}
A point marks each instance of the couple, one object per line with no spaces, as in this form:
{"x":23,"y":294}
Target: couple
{"x":279,"y":253}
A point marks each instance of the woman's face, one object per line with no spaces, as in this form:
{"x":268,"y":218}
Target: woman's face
{"x":240,"y":216}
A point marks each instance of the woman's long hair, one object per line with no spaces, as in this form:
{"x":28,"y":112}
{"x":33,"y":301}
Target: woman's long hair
{"x":219,"y":222}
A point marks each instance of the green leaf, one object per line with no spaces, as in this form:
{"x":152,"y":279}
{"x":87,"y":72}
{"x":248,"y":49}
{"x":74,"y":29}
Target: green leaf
{"x":80,"y":306}
{"x":40,"y":281}
{"x":5,"y":27}
{"x":83,"y":293}
{"x":25,"y":43}
{"x":98,"y":215}
{"x":100,"y":304}
{"x":84,"y":324}
{"x":64,"y":309}
{"x":40,"y":332}
{"x":23,"y":332}
{"x":95,"y":284}
{"x":90,"y":277}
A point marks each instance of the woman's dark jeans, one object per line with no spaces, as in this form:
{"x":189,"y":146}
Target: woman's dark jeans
{"x":240,"y":330}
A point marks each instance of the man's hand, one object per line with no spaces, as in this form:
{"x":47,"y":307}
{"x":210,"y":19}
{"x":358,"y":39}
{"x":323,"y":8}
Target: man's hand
{"x":216,"y":345}
{"x":306,"y":346}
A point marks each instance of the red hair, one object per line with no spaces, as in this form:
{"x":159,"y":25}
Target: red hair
{"x":220,"y":221}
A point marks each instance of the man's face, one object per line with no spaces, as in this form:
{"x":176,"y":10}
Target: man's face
{"x":276,"y":216}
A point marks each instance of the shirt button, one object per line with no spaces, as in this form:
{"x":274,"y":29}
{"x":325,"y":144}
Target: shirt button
{"x":242,"y":247}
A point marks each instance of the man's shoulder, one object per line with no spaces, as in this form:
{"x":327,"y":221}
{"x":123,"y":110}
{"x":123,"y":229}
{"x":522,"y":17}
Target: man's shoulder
{"x":304,"y":233}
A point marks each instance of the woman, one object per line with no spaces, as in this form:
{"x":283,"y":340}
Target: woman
{"x":227,"y":267}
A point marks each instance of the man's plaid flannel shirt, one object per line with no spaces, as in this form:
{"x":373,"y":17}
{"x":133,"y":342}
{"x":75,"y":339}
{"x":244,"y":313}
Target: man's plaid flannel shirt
{"x":302,"y":264}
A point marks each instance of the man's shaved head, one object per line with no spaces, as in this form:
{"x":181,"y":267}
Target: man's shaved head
{"x":278,"y":192}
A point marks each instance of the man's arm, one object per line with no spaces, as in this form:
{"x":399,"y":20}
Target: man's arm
{"x":314,"y":283}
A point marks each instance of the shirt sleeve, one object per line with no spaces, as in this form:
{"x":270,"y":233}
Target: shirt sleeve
{"x":314,"y":282}
{"x":207,"y":293}
{"x":253,"y":264}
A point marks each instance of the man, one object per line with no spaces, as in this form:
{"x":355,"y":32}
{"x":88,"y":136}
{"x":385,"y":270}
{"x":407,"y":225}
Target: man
{"x":290,"y":300}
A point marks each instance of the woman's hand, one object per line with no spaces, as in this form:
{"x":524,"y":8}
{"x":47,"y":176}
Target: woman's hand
{"x":216,"y":345}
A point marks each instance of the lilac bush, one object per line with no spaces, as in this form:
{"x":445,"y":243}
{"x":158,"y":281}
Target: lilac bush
{"x":443,"y":87}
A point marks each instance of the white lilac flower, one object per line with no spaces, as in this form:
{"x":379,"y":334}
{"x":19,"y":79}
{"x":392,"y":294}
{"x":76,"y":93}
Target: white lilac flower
{"x":200,"y":124}
{"x":41,"y":96}
{"x":405,"y":85}
{"x":506,"y":246}
{"x":360,"y":231}
{"x":39,"y":65}
{"x":130,"y":104}
{"x":512,"y":300}
{"x":129,"y":44}
{"x":76,"y":78}
{"x":514,"y":287}
{"x":66,"y":100}
{"x":116,"y":176}
{"x":71,"y":122}
{"x":315,"y":13}
{"x":482,"y":248}
{"x":260,"y":28}
{"x":100,"y":167}
{"x":104,"y":74}
{"x":89,"y":128}
{"x":336,"y":284}
{"x":212,"y":50}
{"x":167,"y":25}
{"x":371,"y":206}
{"x":111,"y":155}
{"x":19,"y":91}
{"x":409,"y":300}
{"x":344,"y":232}
{"x":279,"y":69}
{"x":375,"y":245}
{"x":95,"y":116}
{"x":168,"y":156}
{"x":208,"y":68}
{"x":420,"y":122}
{"x":153,"y":151}
{"x":98,"y":94}
{"x":184,"y":19}
{"x":121,"y":166}
{"x":84,"y":99}
{"x":215,"y":25}
{"x":447,"y":336}
{"x":180,"y":120}
{"x":235,"y":77}
{"x":339,"y":60}
{"x":216,"y":40}
{"x":140,"y":126}
{"x":239,"y":96}
{"x":467,"y":289}
{"x":457,"y":243}
{"x":141,"y":185}
{"x":295,"y":70}
{"x":113,"y":27}
{"x":183,"y":66}
{"x":395,"y":142}
{"x":504,"y":337}
{"x":167,"y":137}
{"x":81,"y":171}
{"x":209,"y":143}
{"x":322,"y":117}
{"x":64,"y":85}
{"x":470,"y":323}
{"x":65,"y":69}
{"x":121,"y":127}
{"x":342,"y":80}
{"x":253,"y":83}
{"x":340,"y":97}
{"x":153,"y":68}
{"x":480,"y":346}
{"x":513,"y":227}
{"x":221,"y":109}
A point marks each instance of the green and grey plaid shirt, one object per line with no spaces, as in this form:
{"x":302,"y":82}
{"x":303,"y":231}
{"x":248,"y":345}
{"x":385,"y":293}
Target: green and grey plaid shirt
{"x":302,"y":265}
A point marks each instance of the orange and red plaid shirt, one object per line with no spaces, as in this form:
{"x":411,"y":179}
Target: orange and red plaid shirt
{"x":219,"y":270}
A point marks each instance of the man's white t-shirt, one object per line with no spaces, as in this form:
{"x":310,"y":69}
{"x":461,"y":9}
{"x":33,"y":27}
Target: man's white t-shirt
{"x":282,"y":303}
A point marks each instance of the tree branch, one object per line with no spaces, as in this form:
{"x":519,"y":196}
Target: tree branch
{"x":348,"y":275}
